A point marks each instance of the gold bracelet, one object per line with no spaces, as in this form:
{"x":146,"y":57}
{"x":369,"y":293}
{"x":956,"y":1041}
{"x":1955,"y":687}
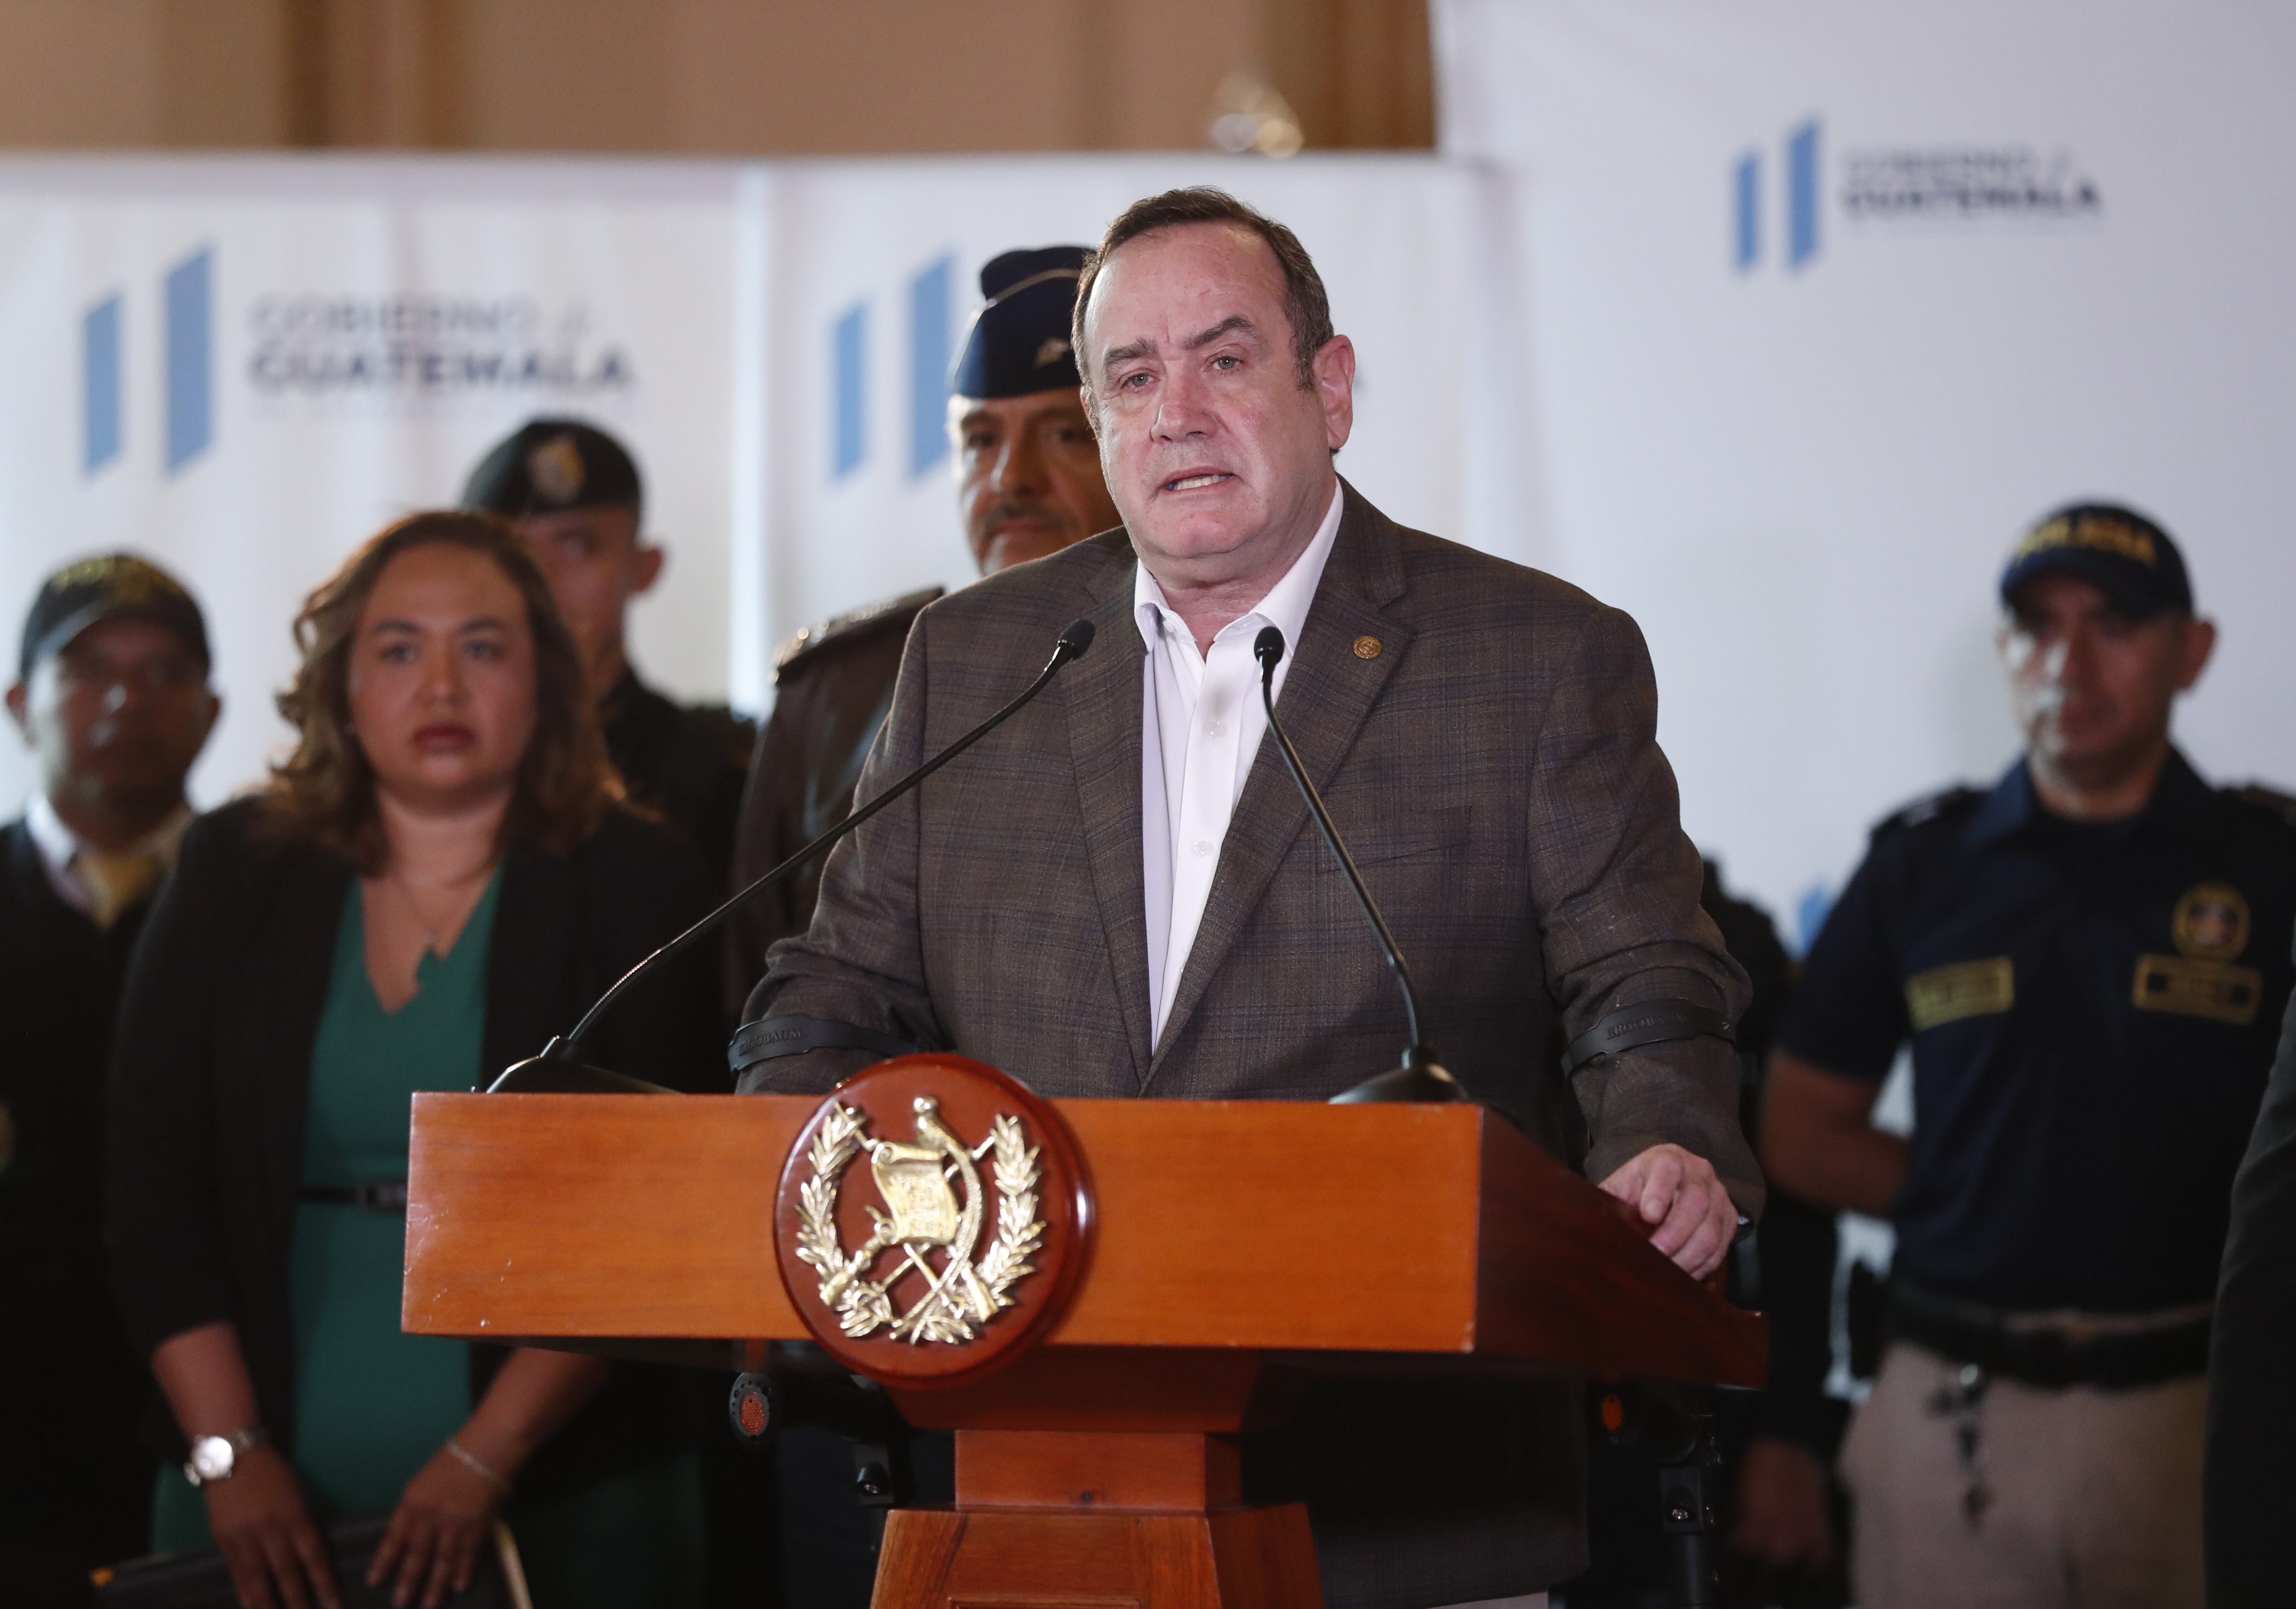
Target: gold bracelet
{"x":475,"y":1465}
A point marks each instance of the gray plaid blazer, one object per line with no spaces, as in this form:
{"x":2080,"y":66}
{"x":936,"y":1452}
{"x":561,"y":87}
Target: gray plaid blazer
{"x":1484,"y":737}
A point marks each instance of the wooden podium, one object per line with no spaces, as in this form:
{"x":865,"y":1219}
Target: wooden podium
{"x":1098,"y":1466}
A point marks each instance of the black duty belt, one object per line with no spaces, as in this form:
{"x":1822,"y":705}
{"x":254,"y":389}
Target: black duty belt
{"x":2053,"y":1356}
{"x":368,"y":1194}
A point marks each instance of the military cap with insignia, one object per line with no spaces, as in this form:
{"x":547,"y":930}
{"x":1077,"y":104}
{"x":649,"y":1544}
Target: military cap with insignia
{"x":1018,"y":342}
{"x":2120,"y":551}
{"x":550,"y":465}
{"x":89,"y":589}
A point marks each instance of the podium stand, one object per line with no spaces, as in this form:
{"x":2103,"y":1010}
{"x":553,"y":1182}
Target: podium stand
{"x":1227,"y":1240}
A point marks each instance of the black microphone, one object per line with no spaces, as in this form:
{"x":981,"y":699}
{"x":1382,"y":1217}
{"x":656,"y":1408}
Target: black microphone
{"x":558,"y":1069}
{"x":1419,"y":1078}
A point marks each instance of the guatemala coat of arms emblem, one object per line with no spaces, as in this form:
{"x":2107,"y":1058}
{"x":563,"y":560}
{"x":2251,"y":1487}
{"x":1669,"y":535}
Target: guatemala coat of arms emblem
{"x":932,"y":1219}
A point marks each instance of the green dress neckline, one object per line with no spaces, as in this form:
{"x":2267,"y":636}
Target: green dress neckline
{"x":372,"y":1404}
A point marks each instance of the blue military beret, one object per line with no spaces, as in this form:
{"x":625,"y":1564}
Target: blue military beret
{"x":1018,"y":342}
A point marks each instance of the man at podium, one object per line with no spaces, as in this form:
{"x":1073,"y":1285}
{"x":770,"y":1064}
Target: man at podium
{"x":1122,"y":893}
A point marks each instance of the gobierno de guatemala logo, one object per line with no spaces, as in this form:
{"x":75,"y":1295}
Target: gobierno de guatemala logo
{"x":1885,"y":186}
{"x":416,"y":344}
{"x":415,"y":347}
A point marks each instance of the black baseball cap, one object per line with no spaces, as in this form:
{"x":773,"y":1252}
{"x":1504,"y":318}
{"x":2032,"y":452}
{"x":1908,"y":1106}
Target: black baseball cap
{"x":2126,"y":555}
{"x":109,"y":584}
{"x":547,"y":466}
{"x":1018,"y":342}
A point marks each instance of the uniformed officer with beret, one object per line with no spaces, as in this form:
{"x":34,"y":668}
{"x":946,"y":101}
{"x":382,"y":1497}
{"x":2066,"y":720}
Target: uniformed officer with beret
{"x":574,"y":492}
{"x":1028,"y":484}
{"x":112,"y":695}
{"x":2090,"y":960}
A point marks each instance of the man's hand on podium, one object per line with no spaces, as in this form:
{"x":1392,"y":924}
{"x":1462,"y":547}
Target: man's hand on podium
{"x":1678,"y":1192}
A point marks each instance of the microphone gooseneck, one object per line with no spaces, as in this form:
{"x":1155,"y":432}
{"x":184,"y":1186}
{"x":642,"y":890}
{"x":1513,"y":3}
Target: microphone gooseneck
{"x":1419,"y":1078}
{"x":1072,"y":644}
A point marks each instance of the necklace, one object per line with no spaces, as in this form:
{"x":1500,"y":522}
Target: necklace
{"x":431,"y":926}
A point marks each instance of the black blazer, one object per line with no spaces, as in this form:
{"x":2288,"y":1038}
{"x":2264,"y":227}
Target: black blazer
{"x":68,"y":1383}
{"x":212,"y":1064}
{"x":2252,"y":1549}
{"x":60,"y":983}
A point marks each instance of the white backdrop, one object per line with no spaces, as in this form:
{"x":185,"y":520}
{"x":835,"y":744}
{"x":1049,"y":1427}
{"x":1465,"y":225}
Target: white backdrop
{"x":304,"y":349}
{"x":1772,"y":322}
{"x":1822,"y":302}
{"x":369,"y":329}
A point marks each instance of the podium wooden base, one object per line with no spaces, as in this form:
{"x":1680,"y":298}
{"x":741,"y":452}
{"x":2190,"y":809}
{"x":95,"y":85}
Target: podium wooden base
{"x":1006,"y":1558}
{"x":1097,"y":1520}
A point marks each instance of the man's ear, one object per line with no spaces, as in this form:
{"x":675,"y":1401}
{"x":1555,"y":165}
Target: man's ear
{"x":2200,"y":642}
{"x":20,"y":710}
{"x":215,"y":714}
{"x":1335,"y":386}
{"x":648,"y":558}
{"x":1091,"y":406}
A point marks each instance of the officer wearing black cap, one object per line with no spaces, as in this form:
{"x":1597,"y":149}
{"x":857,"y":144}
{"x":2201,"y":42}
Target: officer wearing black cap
{"x":2089,"y":961}
{"x":112,"y":695}
{"x":1028,"y":484}
{"x":574,"y":492}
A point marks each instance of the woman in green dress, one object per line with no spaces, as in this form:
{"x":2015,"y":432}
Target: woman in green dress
{"x":439,"y":876}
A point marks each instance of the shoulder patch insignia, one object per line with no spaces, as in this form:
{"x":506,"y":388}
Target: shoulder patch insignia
{"x":1928,"y":809}
{"x":886,"y":613}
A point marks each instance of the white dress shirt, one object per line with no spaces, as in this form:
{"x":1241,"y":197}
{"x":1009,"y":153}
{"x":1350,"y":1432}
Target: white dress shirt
{"x":1200,"y":723}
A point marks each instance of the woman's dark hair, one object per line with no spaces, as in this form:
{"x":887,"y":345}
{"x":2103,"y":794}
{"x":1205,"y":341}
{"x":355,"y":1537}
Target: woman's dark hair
{"x":1305,"y":301}
{"x":325,"y":791}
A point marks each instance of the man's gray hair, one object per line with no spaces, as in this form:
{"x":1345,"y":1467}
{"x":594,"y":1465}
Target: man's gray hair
{"x":1305,"y":302}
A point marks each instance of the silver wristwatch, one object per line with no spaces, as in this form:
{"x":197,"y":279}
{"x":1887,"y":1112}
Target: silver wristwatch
{"x":217,"y":1457}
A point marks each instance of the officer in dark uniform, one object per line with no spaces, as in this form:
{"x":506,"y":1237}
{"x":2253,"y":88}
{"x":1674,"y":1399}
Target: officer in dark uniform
{"x":1028,"y":484}
{"x":1777,"y":1444}
{"x":574,"y":494}
{"x":2090,"y":960}
{"x":112,"y":695}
